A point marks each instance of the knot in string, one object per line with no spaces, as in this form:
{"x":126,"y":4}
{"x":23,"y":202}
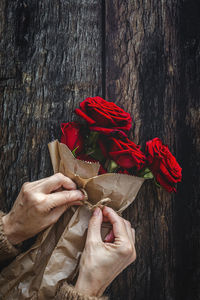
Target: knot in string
{"x":101,"y":203}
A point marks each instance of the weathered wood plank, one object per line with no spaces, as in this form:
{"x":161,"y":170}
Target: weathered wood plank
{"x":142,"y":76}
{"x":187,"y":205}
{"x":50,"y":60}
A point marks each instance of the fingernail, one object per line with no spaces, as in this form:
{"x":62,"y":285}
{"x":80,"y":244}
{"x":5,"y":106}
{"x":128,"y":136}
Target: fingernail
{"x":80,"y":195}
{"x":96,"y":211}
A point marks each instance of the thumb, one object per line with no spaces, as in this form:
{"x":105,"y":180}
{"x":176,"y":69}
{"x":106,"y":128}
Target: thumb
{"x":94,"y":227}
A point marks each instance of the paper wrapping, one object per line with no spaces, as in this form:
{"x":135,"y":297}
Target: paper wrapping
{"x":55,"y":255}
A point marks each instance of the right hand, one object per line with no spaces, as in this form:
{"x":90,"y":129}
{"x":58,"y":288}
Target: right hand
{"x":101,"y":261}
{"x":38,"y":205}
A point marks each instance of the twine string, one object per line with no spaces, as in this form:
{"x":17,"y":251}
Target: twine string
{"x":101,"y":203}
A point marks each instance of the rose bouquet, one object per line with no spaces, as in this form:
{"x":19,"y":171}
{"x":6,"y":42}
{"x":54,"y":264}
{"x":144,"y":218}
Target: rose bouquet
{"x":110,"y":169}
{"x":103,"y":138}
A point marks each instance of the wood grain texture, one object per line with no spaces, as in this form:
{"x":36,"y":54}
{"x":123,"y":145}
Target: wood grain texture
{"x":144,"y":56}
{"x":50,"y":60}
{"x":152,"y":71}
{"x":187,"y":218}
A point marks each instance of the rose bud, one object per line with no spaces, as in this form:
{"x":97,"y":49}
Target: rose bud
{"x":72,"y":136}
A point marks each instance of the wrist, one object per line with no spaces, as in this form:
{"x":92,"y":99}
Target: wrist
{"x":87,"y":286}
{"x":9,"y":231}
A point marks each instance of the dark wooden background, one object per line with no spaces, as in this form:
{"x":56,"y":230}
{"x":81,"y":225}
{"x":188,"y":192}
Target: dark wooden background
{"x":144,"y":56}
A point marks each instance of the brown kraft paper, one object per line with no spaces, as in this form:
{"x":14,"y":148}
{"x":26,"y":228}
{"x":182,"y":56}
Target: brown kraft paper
{"x":55,"y":255}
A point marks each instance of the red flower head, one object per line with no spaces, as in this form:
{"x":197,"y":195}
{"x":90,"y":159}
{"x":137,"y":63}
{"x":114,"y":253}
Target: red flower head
{"x":163,"y":164}
{"x":72,"y":137}
{"x":104,"y":117}
{"x":124,"y":152}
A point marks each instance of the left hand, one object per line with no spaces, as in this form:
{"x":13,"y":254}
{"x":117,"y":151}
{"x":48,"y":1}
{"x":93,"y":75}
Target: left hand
{"x":102,"y":261}
{"x":38,"y":205}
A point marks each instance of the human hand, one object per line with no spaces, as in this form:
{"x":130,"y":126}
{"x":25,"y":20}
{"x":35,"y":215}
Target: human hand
{"x":101,"y":261}
{"x":38,"y":205}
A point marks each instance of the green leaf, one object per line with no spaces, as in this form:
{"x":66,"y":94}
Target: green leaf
{"x":146,"y":173}
{"x":112,"y":166}
{"x":74,"y":151}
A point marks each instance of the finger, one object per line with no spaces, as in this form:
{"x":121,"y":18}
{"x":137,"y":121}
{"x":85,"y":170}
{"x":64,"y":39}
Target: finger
{"x":133,"y":235}
{"x":94,"y":227}
{"x":109,"y":237}
{"x":105,"y":219}
{"x":56,"y":181}
{"x":32,"y":184}
{"x":134,"y":251}
{"x":119,"y":228}
{"x":131,"y":238}
{"x":129,"y":230}
{"x":63,"y":198}
{"x":55,"y":214}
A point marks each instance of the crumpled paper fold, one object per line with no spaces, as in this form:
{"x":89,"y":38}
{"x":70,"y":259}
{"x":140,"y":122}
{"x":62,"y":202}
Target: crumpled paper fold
{"x":55,"y":255}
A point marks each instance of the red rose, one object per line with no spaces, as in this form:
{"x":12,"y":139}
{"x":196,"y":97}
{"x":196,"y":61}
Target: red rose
{"x":72,"y":136}
{"x":104,"y":117}
{"x":86,"y":157}
{"x":124,"y":152}
{"x":163,"y":164}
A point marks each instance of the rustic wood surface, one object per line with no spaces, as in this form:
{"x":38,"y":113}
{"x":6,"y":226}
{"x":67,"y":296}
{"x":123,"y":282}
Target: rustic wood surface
{"x":144,"y":56}
{"x":141,"y":73}
{"x":50,"y":61}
